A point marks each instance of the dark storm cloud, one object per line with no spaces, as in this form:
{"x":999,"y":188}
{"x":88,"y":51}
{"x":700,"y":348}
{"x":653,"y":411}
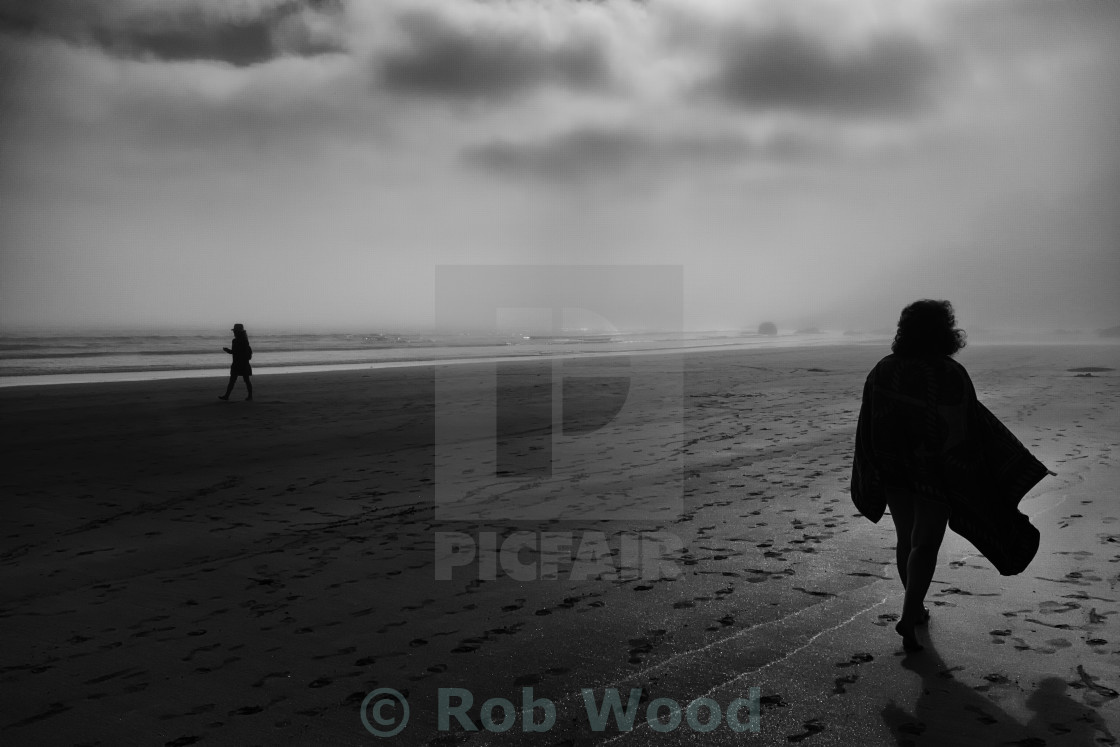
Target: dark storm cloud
{"x":791,"y":69}
{"x":181,"y":32}
{"x":444,"y":55}
{"x":598,"y":151}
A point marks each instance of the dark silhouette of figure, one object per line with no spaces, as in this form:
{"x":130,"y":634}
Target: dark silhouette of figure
{"x":241,"y":352}
{"x":927,"y":448}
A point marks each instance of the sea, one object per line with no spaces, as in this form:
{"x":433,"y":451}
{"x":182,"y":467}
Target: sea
{"x":36,"y":359}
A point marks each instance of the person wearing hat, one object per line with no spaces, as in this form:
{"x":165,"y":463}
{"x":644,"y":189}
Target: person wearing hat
{"x":241,"y":353}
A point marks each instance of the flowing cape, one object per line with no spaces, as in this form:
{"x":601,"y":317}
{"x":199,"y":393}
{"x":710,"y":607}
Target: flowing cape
{"x":921,"y":428}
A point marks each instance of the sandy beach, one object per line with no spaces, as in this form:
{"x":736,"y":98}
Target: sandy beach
{"x":178,"y":570}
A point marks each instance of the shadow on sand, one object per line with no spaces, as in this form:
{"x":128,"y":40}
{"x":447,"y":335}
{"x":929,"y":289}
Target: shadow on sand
{"x":951,"y":712}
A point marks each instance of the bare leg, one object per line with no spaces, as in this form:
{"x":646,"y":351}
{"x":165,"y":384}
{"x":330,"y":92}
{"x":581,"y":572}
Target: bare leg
{"x":249,"y":386}
{"x":902,"y":512}
{"x":229,"y":387}
{"x":930,"y":518}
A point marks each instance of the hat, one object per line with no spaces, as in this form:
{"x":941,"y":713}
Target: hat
{"x":239,"y":327}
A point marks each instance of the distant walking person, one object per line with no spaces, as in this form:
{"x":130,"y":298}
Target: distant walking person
{"x":927,"y":448}
{"x":241,"y":353}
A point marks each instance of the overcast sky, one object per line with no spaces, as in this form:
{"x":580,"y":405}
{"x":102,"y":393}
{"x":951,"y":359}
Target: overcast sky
{"x":295,"y":163}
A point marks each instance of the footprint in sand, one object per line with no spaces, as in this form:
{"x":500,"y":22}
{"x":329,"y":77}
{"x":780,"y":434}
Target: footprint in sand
{"x":1056,"y":608}
{"x":855,"y":660}
{"x":644,"y":645}
{"x":814,"y":593}
{"x":812,"y":726}
{"x":638,"y":648}
{"x":886,"y":619}
{"x":847,"y":679}
{"x":352,"y":699}
{"x":995,"y":679}
{"x":269,"y":676}
{"x":772,"y":701}
{"x":1090,"y":682}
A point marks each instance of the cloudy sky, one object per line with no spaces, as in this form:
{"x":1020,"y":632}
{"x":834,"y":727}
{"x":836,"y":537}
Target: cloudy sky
{"x":309,"y":163}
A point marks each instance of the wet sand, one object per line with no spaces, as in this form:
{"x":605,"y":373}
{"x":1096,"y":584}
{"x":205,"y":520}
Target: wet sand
{"x":178,"y":570}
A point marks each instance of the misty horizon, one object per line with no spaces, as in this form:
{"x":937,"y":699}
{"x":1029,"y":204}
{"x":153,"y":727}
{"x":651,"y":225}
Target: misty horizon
{"x":978,"y":333}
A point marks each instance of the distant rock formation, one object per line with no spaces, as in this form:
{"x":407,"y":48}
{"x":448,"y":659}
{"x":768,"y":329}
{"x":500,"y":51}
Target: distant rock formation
{"x":767,"y":328}
{"x":1110,"y":332}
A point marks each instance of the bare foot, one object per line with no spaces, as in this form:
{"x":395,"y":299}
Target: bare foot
{"x":909,"y":639}
{"x":223,"y":396}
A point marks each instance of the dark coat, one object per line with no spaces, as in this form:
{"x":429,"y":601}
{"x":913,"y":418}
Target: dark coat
{"x":241,"y":355}
{"x":922,"y":429}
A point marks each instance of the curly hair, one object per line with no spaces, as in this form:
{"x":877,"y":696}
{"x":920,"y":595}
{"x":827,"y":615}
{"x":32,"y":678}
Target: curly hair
{"x":928,"y":327}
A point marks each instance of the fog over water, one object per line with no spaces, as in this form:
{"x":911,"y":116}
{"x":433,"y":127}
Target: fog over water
{"x":309,"y":164}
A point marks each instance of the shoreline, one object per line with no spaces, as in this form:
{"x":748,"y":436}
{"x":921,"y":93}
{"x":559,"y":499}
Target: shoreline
{"x":109,"y":377}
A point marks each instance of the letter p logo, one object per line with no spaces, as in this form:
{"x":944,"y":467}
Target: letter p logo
{"x":585,"y":421}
